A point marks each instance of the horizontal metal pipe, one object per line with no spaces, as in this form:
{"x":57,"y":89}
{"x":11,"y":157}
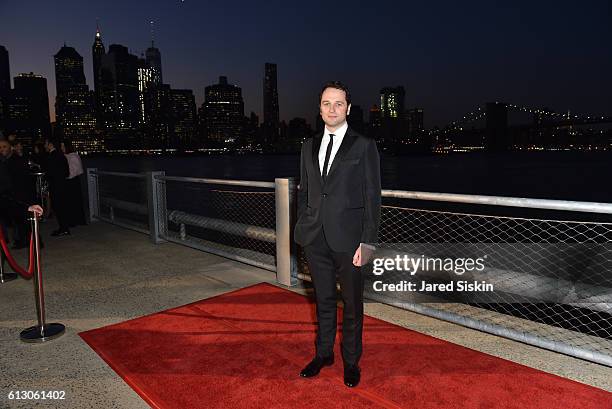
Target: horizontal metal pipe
{"x":548,"y":204}
{"x":251,"y":183}
{"x":122,"y":224}
{"x":238,"y":229}
{"x":221,"y":253}
{"x":123,"y":205}
{"x":121,"y":174}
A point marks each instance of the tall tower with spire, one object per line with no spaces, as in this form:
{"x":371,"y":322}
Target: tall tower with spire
{"x":98,"y":51}
{"x":153,"y":61}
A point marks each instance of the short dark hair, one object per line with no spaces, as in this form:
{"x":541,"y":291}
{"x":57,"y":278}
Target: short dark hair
{"x":56,"y":141}
{"x":336,"y":85}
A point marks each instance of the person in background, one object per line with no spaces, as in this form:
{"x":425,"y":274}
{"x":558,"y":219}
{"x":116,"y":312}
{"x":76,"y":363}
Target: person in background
{"x":18,"y":149}
{"x":21,"y":189}
{"x":39,"y":155}
{"x":75,"y":193}
{"x":12,"y":139}
{"x":57,"y":172}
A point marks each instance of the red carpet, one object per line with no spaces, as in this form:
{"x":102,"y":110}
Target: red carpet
{"x":245,"y":349}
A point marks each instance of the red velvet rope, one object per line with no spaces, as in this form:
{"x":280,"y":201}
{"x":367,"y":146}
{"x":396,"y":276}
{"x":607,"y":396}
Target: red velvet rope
{"x":24,"y":273}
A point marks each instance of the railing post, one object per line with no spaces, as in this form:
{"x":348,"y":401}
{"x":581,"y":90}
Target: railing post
{"x":92,"y":194}
{"x":286,"y":263}
{"x":156,"y":200}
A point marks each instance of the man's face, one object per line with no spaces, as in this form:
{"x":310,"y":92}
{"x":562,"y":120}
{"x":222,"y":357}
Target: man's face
{"x":5,"y":148}
{"x":334,"y":108}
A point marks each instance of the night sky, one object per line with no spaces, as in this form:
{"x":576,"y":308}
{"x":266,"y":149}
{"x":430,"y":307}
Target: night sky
{"x":450,"y":56}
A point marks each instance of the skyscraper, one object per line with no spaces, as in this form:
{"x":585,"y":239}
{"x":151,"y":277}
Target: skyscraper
{"x":182,"y":103}
{"x":120,"y":98}
{"x":74,"y":103}
{"x":145,"y":78}
{"x":154,"y":63}
{"x":355,"y":119}
{"x":392,"y":102}
{"x":393,"y":116}
{"x":158,"y":109}
{"x":98,"y":51}
{"x":375,"y":123}
{"x":415,"y":121}
{"x":5,"y":72}
{"x":224,"y":112}
{"x":5,"y":85}
{"x":28,"y":109}
{"x":271,"y":119}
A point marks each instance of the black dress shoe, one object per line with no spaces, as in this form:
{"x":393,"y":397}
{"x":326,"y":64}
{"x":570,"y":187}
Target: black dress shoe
{"x":352,"y":375}
{"x":59,"y":233}
{"x":314,"y":367}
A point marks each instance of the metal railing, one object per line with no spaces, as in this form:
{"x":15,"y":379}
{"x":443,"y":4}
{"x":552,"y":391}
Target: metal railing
{"x":567,"y":309}
{"x":552,"y":270}
{"x":246,"y":221}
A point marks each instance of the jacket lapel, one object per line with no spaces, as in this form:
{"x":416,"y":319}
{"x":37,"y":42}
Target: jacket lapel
{"x":347,"y":142}
{"x":316,"y":145}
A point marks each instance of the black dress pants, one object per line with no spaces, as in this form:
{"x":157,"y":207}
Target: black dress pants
{"x":324,"y":264}
{"x":61,"y":205}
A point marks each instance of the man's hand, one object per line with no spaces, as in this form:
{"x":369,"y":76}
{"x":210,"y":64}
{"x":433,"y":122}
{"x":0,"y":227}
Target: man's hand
{"x":36,"y":209}
{"x":357,"y":257}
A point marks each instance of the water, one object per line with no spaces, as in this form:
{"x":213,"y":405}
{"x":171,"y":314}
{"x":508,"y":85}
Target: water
{"x":582,"y":176}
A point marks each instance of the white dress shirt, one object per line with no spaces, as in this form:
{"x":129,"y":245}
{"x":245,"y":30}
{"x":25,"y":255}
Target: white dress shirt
{"x":338,"y":136}
{"x":75,"y":166}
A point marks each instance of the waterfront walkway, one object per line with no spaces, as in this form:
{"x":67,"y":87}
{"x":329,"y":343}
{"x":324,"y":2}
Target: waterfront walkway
{"x":104,"y":274}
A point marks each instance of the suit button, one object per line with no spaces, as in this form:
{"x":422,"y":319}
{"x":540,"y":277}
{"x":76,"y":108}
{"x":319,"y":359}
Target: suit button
{"x":324,"y":194}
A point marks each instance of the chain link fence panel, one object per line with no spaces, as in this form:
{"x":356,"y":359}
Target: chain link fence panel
{"x":122,"y":199}
{"x":236,"y":221}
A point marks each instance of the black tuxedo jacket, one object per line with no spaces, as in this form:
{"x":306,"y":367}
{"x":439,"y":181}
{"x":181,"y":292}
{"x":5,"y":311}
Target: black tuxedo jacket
{"x":57,"y":169}
{"x":347,"y":205}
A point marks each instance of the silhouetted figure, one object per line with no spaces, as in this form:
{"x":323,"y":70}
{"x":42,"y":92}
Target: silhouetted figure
{"x":75,"y":193}
{"x":9,"y":205}
{"x":57,"y":172}
{"x":21,"y":189}
{"x":39,"y":155}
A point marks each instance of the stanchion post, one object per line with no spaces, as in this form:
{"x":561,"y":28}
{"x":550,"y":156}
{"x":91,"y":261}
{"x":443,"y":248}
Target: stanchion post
{"x":43,"y":331}
{"x":39,"y":188}
{"x":286,"y":262}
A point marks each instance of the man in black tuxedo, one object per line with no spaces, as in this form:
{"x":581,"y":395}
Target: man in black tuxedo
{"x":338,"y":209}
{"x":57,"y":172}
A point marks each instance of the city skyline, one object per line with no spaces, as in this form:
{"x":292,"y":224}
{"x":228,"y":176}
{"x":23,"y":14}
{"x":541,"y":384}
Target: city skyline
{"x":520,"y":62}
